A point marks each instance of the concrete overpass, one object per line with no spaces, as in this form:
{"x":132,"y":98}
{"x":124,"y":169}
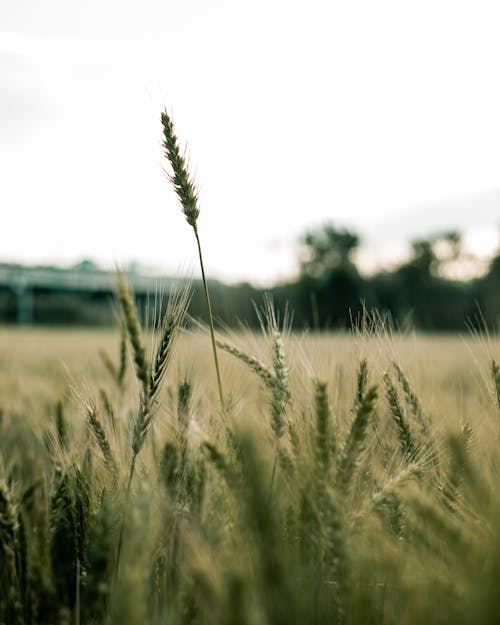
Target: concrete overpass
{"x":85,"y":277}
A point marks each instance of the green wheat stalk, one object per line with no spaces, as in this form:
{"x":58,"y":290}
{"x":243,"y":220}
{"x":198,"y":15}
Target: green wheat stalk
{"x":10,"y":605}
{"x":398,"y":414}
{"x":495,"y":374}
{"x":97,"y":429}
{"x":323,"y":446}
{"x":356,"y":438}
{"x":255,"y":365}
{"x":275,"y":379}
{"x":185,"y":189}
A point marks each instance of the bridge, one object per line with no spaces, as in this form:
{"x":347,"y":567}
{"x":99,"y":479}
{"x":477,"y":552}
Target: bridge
{"x":84,"y":277}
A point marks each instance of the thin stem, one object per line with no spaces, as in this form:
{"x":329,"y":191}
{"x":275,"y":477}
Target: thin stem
{"x":210,"y":318}
{"x":273,"y":474}
{"x":122,"y":523}
{"x":77,"y":600}
{"x":131,"y":475}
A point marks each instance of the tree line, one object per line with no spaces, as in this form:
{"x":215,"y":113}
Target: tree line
{"x":424,"y":291}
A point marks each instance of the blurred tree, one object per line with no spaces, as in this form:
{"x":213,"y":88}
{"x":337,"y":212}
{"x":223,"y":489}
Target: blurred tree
{"x":331,"y":289}
{"x":420,"y":286}
{"x":487,"y":294}
{"x":431,"y":256}
{"x":327,"y":248}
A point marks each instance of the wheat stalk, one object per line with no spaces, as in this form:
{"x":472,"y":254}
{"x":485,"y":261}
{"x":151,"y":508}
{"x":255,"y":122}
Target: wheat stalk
{"x":275,"y":379}
{"x":399,"y":417}
{"x":97,"y":429}
{"x":495,"y":374}
{"x":171,"y":324}
{"x":323,"y":411}
{"x":281,"y":394}
{"x":356,"y":439}
{"x":185,"y":189}
{"x":134,"y":334}
{"x":10,"y":604}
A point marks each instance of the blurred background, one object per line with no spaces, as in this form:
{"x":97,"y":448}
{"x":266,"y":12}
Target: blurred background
{"x":347,"y":155}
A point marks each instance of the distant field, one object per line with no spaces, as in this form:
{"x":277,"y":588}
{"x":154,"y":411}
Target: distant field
{"x":349,"y":479}
{"x":447,"y":370}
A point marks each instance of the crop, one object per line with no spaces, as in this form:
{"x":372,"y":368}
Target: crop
{"x":337,"y":485}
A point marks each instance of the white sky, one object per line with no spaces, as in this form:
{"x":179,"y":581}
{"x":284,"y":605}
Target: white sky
{"x":381,"y":116}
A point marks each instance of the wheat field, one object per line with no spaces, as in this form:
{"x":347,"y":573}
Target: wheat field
{"x":348,"y":478}
{"x":178,"y":475}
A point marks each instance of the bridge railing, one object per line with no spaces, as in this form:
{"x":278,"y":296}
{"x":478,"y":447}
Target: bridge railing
{"x":23,"y":281}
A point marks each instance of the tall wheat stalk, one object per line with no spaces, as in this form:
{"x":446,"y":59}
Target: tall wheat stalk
{"x":149,"y":376}
{"x":185,"y":189}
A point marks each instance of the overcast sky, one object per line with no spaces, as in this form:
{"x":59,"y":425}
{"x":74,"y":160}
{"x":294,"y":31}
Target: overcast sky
{"x":380,"y":116}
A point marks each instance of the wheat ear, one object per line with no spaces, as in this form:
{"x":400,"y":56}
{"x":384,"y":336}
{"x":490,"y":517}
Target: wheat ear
{"x":356,"y":438}
{"x":323,"y":443}
{"x":185,"y":189}
{"x":495,"y":374}
{"x":101,"y":439}
{"x":399,"y":416}
{"x":134,"y":333}
{"x":256,"y":365}
{"x":170,"y":327}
